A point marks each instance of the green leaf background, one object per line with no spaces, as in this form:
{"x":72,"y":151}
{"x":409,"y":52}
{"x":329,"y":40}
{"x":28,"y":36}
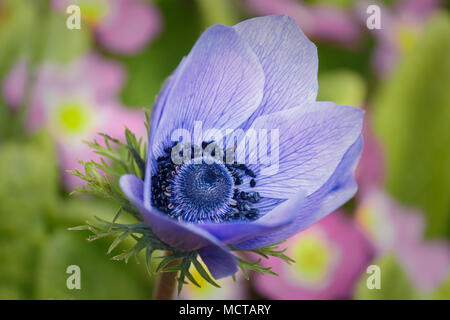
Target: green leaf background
{"x":412,"y":119}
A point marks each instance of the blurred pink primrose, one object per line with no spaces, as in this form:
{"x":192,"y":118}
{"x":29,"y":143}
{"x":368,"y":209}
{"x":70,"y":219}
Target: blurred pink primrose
{"x":324,"y":22}
{"x":370,"y":170}
{"x":330,"y":257}
{"x":401,"y":27}
{"x":121,"y":26}
{"x":74,"y":102}
{"x":398,"y":230}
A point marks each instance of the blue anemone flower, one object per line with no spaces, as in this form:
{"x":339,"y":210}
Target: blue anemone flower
{"x":258,"y":74}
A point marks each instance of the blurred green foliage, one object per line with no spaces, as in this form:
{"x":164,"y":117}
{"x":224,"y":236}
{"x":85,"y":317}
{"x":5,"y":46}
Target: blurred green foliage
{"x":223,"y":12}
{"x":342,"y":87}
{"x":412,"y":118}
{"x":148,"y":70}
{"x":27,"y":192}
{"x":16,"y":30}
{"x":100,"y":277}
{"x":443,"y":292}
{"x":35,"y":246}
{"x":394,"y":283}
{"x":61,"y":44}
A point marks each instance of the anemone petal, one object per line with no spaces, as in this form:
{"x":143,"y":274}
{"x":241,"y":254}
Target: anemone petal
{"x":220,"y":84}
{"x":278,"y":218}
{"x":339,"y":188}
{"x":220,"y":263}
{"x":312,"y":142}
{"x":289,"y":61}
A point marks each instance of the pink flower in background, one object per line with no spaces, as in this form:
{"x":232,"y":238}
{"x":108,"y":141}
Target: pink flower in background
{"x":392,"y":228}
{"x":401,"y":27}
{"x":121,"y":26}
{"x":330,"y":257}
{"x":75,"y":102}
{"x":397,"y":230}
{"x":14,"y":84}
{"x":321,"y":21}
{"x":369,"y":172}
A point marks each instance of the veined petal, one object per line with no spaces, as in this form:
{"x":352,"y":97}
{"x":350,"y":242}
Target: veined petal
{"x":220,"y":84}
{"x":336,"y":191}
{"x":278,"y":218}
{"x":312,"y":142}
{"x":289,"y":61}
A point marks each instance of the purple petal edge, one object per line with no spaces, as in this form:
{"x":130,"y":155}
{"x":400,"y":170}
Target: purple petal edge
{"x":335,"y":192}
{"x":282,"y":215}
{"x":180,"y":235}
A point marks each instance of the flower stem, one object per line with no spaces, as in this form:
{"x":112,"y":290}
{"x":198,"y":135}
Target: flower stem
{"x":167,"y":282}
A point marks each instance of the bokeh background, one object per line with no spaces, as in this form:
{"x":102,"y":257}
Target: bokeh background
{"x":60,"y":86}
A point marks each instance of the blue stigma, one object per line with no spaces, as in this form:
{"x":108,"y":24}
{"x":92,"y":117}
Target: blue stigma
{"x":203,"y":192}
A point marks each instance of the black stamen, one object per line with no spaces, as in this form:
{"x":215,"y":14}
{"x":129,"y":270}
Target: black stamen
{"x":242,"y":167}
{"x":250,"y":173}
{"x":255,"y":197}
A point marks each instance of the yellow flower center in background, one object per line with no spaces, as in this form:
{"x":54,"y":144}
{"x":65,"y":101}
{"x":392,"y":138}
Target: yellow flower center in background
{"x":367,"y":221}
{"x":314,"y":259}
{"x":93,"y":11}
{"x":72,"y":117}
{"x":407,"y":36}
{"x":374,"y":219}
{"x":205,"y":291}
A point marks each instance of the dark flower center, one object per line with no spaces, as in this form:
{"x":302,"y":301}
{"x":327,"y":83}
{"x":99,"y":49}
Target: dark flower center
{"x":200,"y":191}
